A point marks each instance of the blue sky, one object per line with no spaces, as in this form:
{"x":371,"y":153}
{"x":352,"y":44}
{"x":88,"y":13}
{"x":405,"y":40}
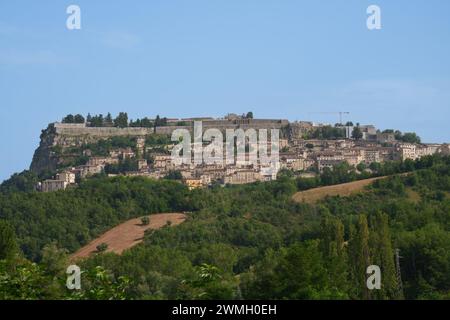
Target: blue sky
{"x":282,"y":59}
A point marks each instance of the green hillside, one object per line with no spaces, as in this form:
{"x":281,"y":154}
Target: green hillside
{"x":249,"y":241}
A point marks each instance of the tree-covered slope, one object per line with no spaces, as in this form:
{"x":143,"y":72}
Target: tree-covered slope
{"x":253,"y":241}
{"x":74,"y":216}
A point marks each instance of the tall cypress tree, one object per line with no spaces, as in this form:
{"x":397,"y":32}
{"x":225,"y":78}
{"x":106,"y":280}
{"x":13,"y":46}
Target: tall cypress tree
{"x":383,"y":256}
{"x":333,"y":249}
{"x":8,"y":244}
{"x":359,"y":257}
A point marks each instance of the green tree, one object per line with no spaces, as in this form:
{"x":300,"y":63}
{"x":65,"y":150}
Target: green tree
{"x":328,"y":132}
{"x":26,"y":281}
{"x":173,"y":175}
{"x":157,"y":121}
{"x":121,"y":120}
{"x":383,"y":256}
{"x":335,"y":256}
{"x":97,"y":121}
{"x":54,"y":260}
{"x":8,"y":244}
{"x":361,"y":166}
{"x":145,"y":221}
{"x":100,"y":284}
{"x":25,"y":181}
{"x":146,"y":123}
{"x":357,"y":133}
{"x":410,"y":137}
{"x":78,"y":118}
{"x":68,"y":119}
{"x":285,"y":173}
{"x":301,"y":273}
{"x":359,"y":255}
{"x":208,"y":283}
{"x":108,"y":120}
{"x":102,"y":247}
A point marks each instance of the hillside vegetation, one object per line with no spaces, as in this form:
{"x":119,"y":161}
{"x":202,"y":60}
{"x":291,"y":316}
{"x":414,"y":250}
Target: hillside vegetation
{"x":249,"y":241}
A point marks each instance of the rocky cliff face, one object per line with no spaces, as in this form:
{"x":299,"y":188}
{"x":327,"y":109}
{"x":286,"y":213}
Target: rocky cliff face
{"x":44,"y":158}
{"x":59,"y":136}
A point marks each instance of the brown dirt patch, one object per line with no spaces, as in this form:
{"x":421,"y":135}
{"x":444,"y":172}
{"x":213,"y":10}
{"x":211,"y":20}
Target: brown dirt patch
{"x":345,"y":189}
{"x":128,"y":234}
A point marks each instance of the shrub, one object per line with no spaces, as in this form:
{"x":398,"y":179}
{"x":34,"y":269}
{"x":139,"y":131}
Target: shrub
{"x":102,"y":247}
{"x":145,"y":221}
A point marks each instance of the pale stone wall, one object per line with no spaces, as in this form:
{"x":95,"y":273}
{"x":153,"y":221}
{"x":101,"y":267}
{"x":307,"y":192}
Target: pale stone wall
{"x":229,"y":124}
{"x":169,"y":129}
{"x":81,"y":130}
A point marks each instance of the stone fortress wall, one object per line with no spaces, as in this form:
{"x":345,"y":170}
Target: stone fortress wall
{"x":223,"y":124}
{"x":80,"y":129}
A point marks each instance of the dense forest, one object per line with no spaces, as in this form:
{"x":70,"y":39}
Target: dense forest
{"x":239,"y":242}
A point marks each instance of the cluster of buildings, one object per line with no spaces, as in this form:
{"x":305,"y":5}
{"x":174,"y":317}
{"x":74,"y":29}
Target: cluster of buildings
{"x":321,"y":154}
{"x":95,"y":165}
{"x":300,"y":155}
{"x":195,"y":176}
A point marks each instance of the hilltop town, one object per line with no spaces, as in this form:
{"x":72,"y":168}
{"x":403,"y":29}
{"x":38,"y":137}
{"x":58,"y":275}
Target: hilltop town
{"x":78,"y":148}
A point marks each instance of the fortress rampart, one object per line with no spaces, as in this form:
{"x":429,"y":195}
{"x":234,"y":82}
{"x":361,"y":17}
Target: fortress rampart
{"x":228,"y":124}
{"x":99,"y":132}
{"x":76,"y":129}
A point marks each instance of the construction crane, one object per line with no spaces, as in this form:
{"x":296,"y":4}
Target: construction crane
{"x":340,"y":113}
